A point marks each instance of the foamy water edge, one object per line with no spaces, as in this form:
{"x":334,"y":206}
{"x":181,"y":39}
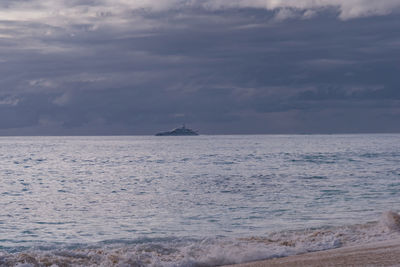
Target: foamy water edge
{"x":174,"y":252}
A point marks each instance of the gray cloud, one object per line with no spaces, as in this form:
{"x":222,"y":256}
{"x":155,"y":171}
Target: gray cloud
{"x":135,"y":67}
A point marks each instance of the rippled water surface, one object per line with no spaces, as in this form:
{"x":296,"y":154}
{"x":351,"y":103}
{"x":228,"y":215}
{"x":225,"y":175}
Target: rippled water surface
{"x":86,"y":190}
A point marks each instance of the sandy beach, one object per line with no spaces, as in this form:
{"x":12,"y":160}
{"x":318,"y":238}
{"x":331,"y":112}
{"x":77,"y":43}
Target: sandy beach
{"x":376,"y":254}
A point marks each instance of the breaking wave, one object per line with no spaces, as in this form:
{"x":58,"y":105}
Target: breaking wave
{"x":188,"y":252}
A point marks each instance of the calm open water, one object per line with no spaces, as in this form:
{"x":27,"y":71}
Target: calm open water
{"x":192,"y":201}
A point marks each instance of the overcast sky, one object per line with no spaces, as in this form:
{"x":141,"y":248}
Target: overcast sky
{"x":220,"y":66}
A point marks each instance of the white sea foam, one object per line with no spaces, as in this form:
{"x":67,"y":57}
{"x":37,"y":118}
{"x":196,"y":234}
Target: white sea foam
{"x":175,"y":252}
{"x":391,"y":221}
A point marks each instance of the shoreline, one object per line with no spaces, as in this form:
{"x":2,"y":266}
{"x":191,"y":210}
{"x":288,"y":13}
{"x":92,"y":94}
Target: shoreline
{"x":385,"y":253}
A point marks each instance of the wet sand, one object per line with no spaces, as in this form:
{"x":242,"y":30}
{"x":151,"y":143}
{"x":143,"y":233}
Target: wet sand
{"x":376,"y":254}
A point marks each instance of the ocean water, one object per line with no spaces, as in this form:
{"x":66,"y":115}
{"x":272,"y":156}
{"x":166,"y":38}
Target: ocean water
{"x":193,"y":201}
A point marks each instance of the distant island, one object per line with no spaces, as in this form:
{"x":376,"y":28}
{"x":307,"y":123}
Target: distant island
{"x":182,"y":131}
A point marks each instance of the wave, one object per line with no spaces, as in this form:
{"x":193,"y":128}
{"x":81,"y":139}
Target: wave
{"x":187,"y":252}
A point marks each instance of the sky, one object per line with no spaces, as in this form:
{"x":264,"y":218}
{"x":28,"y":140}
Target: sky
{"x":125,"y":67}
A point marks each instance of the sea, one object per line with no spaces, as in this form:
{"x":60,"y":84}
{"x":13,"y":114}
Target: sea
{"x":193,"y":201}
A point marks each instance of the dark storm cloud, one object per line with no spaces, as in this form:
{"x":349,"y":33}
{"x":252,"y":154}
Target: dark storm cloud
{"x":100,"y":67}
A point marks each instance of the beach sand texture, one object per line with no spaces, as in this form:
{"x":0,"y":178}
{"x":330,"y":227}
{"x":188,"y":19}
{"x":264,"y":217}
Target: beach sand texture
{"x":377,"y":254}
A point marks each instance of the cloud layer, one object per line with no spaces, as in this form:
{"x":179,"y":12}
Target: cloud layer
{"x":59,"y":13}
{"x":135,"y":67}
